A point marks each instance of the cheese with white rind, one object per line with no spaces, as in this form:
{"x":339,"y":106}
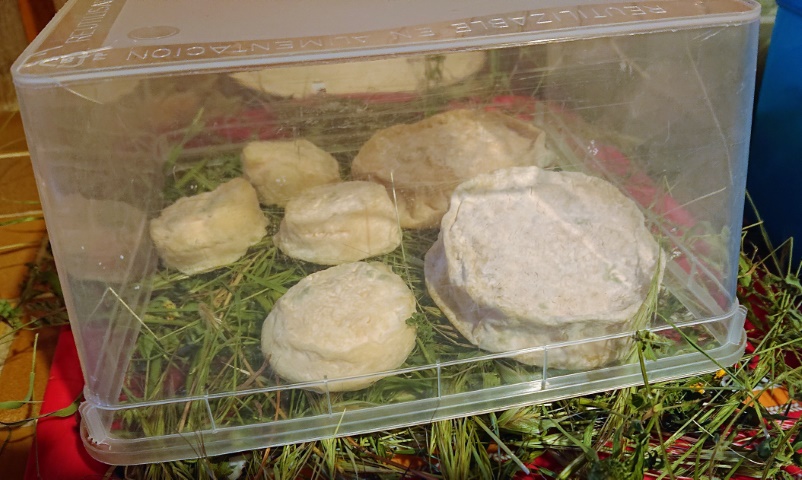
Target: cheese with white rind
{"x":420,"y":164}
{"x":209,"y":230}
{"x":529,"y":258}
{"x":344,"y":321}
{"x":281,"y":169}
{"x":101,"y":239}
{"x":387,"y":75}
{"x":339,"y":223}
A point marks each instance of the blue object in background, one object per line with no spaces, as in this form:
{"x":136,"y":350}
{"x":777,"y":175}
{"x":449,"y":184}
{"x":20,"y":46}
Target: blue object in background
{"x":775,"y":165}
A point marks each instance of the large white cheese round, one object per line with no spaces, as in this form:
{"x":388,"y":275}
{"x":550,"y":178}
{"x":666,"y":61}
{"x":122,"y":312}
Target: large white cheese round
{"x":528,"y":257}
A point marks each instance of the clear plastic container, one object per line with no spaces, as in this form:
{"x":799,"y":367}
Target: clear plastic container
{"x":587,"y":160}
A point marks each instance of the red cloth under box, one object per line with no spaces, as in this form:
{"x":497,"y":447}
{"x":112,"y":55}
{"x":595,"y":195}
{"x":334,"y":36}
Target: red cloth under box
{"x":57,"y":452}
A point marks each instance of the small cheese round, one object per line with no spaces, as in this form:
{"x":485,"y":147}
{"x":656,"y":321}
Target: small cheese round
{"x":423,"y":162}
{"x":339,"y":223}
{"x":344,"y":321}
{"x":209,"y":230}
{"x":387,"y":75}
{"x":528,"y":257}
{"x":100,"y":239}
{"x":281,"y":169}
{"x":106,"y":91}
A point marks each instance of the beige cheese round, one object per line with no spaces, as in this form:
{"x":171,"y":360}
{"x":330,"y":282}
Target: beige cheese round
{"x":389,"y":75}
{"x":344,"y":321}
{"x":106,"y":91}
{"x":339,"y":223}
{"x":209,"y":230}
{"x":528,"y":257}
{"x":281,"y":169}
{"x":99,"y":239}
{"x":422,"y":163}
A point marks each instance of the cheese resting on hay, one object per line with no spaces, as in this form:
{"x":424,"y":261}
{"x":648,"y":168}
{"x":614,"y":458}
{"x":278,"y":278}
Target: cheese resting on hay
{"x":339,"y":223}
{"x":282,"y":169}
{"x":420,"y":164}
{"x":344,"y":321}
{"x":382,"y":76}
{"x":209,"y":230}
{"x":528,"y":257}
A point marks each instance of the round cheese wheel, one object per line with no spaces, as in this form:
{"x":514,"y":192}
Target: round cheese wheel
{"x":339,"y":223}
{"x":344,"y":321}
{"x":281,"y":169}
{"x":387,"y":75}
{"x":100,"y":239}
{"x":421,"y":163}
{"x":209,"y":230}
{"x":528,"y":258}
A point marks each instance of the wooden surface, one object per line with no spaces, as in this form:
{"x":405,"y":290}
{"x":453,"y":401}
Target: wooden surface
{"x":12,"y":42}
{"x":35,"y":15}
{"x":20,"y":21}
{"x":19,"y":245}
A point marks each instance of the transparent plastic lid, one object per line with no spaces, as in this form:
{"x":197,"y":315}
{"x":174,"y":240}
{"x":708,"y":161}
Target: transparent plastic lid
{"x":102,"y":38}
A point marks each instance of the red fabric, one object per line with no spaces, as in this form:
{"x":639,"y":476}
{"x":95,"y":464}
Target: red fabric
{"x":57,"y":452}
